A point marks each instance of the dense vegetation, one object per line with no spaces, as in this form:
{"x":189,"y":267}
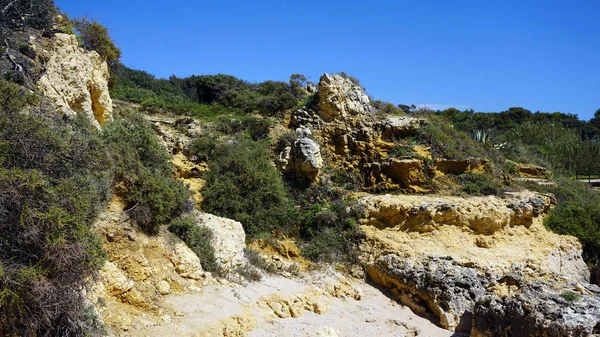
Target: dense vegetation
{"x":558,"y":141}
{"x":54,"y":179}
{"x":206,"y":95}
{"x":143,"y":168}
{"x":242,"y":184}
{"x":26,"y":13}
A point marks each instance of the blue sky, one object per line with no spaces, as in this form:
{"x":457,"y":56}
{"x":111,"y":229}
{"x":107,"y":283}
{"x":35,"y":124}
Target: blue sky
{"x":485,"y":55}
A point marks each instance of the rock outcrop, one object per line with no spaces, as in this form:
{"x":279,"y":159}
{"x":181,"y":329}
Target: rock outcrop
{"x":76,"y":81}
{"x":303,"y":158}
{"x":442,"y":255}
{"x":340,"y":98}
{"x":532,"y":171}
{"x":140,"y":270}
{"x":539,"y":310}
{"x":353,"y":139}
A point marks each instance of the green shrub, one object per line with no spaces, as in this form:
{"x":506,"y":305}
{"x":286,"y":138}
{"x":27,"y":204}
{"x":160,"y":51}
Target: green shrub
{"x":257,"y":128}
{"x":479,"y":184}
{"x":156,"y":199}
{"x":400,"y":151}
{"x":202,"y":96}
{"x":330,"y":230}
{"x":14,"y":97}
{"x":546,"y":144}
{"x":386,"y":108}
{"x":142,"y":164}
{"x":54,"y":180}
{"x":448,"y":142}
{"x":577,"y":213}
{"x":570,"y":296}
{"x":198,"y":238}
{"x":242,"y":184}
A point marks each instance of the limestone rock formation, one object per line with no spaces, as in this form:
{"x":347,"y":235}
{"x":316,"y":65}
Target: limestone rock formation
{"x":140,"y":270}
{"x":407,"y":171}
{"x":539,"y":310}
{"x":340,"y":98}
{"x":76,"y":81}
{"x":229,"y":239}
{"x":306,"y":160}
{"x":441,"y":255}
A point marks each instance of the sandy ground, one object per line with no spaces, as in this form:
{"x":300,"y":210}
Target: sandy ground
{"x":374,"y":314}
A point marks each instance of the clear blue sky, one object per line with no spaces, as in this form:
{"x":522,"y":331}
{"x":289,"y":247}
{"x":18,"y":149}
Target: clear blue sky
{"x":485,"y":55}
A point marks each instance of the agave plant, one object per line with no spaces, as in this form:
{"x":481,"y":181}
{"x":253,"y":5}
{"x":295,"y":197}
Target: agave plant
{"x":481,"y":136}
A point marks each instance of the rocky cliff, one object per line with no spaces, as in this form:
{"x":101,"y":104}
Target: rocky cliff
{"x":485,"y":266}
{"x":475,"y":263}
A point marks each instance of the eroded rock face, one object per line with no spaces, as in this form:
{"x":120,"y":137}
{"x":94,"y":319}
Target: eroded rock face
{"x":76,"y":81}
{"x":407,"y":171}
{"x":450,"y":166}
{"x":539,"y":310}
{"x":140,"y":270}
{"x":442,"y":255}
{"x":340,"y":98}
{"x":532,"y":171}
{"x":434,"y":287}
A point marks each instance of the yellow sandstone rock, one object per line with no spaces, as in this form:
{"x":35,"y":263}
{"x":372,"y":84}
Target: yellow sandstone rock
{"x":76,"y":80}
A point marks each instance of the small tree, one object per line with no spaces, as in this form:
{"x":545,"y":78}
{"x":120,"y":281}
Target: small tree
{"x":94,"y":36}
{"x":297,"y":81}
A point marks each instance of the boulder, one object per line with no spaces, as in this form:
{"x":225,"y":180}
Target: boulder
{"x":186,"y":262}
{"x":228,"y":241}
{"x":306,"y":156}
{"x":434,"y":287}
{"x":303,"y":158}
{"x":340,"y":98}
{"x":76,"y":80}
{"x":114,"y":279}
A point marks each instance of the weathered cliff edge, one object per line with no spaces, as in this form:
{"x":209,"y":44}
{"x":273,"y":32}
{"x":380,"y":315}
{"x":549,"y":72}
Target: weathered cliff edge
{"x":484,"y":265}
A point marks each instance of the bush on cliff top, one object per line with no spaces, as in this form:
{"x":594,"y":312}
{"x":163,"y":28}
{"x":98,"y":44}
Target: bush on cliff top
{"x":94,"y":36}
